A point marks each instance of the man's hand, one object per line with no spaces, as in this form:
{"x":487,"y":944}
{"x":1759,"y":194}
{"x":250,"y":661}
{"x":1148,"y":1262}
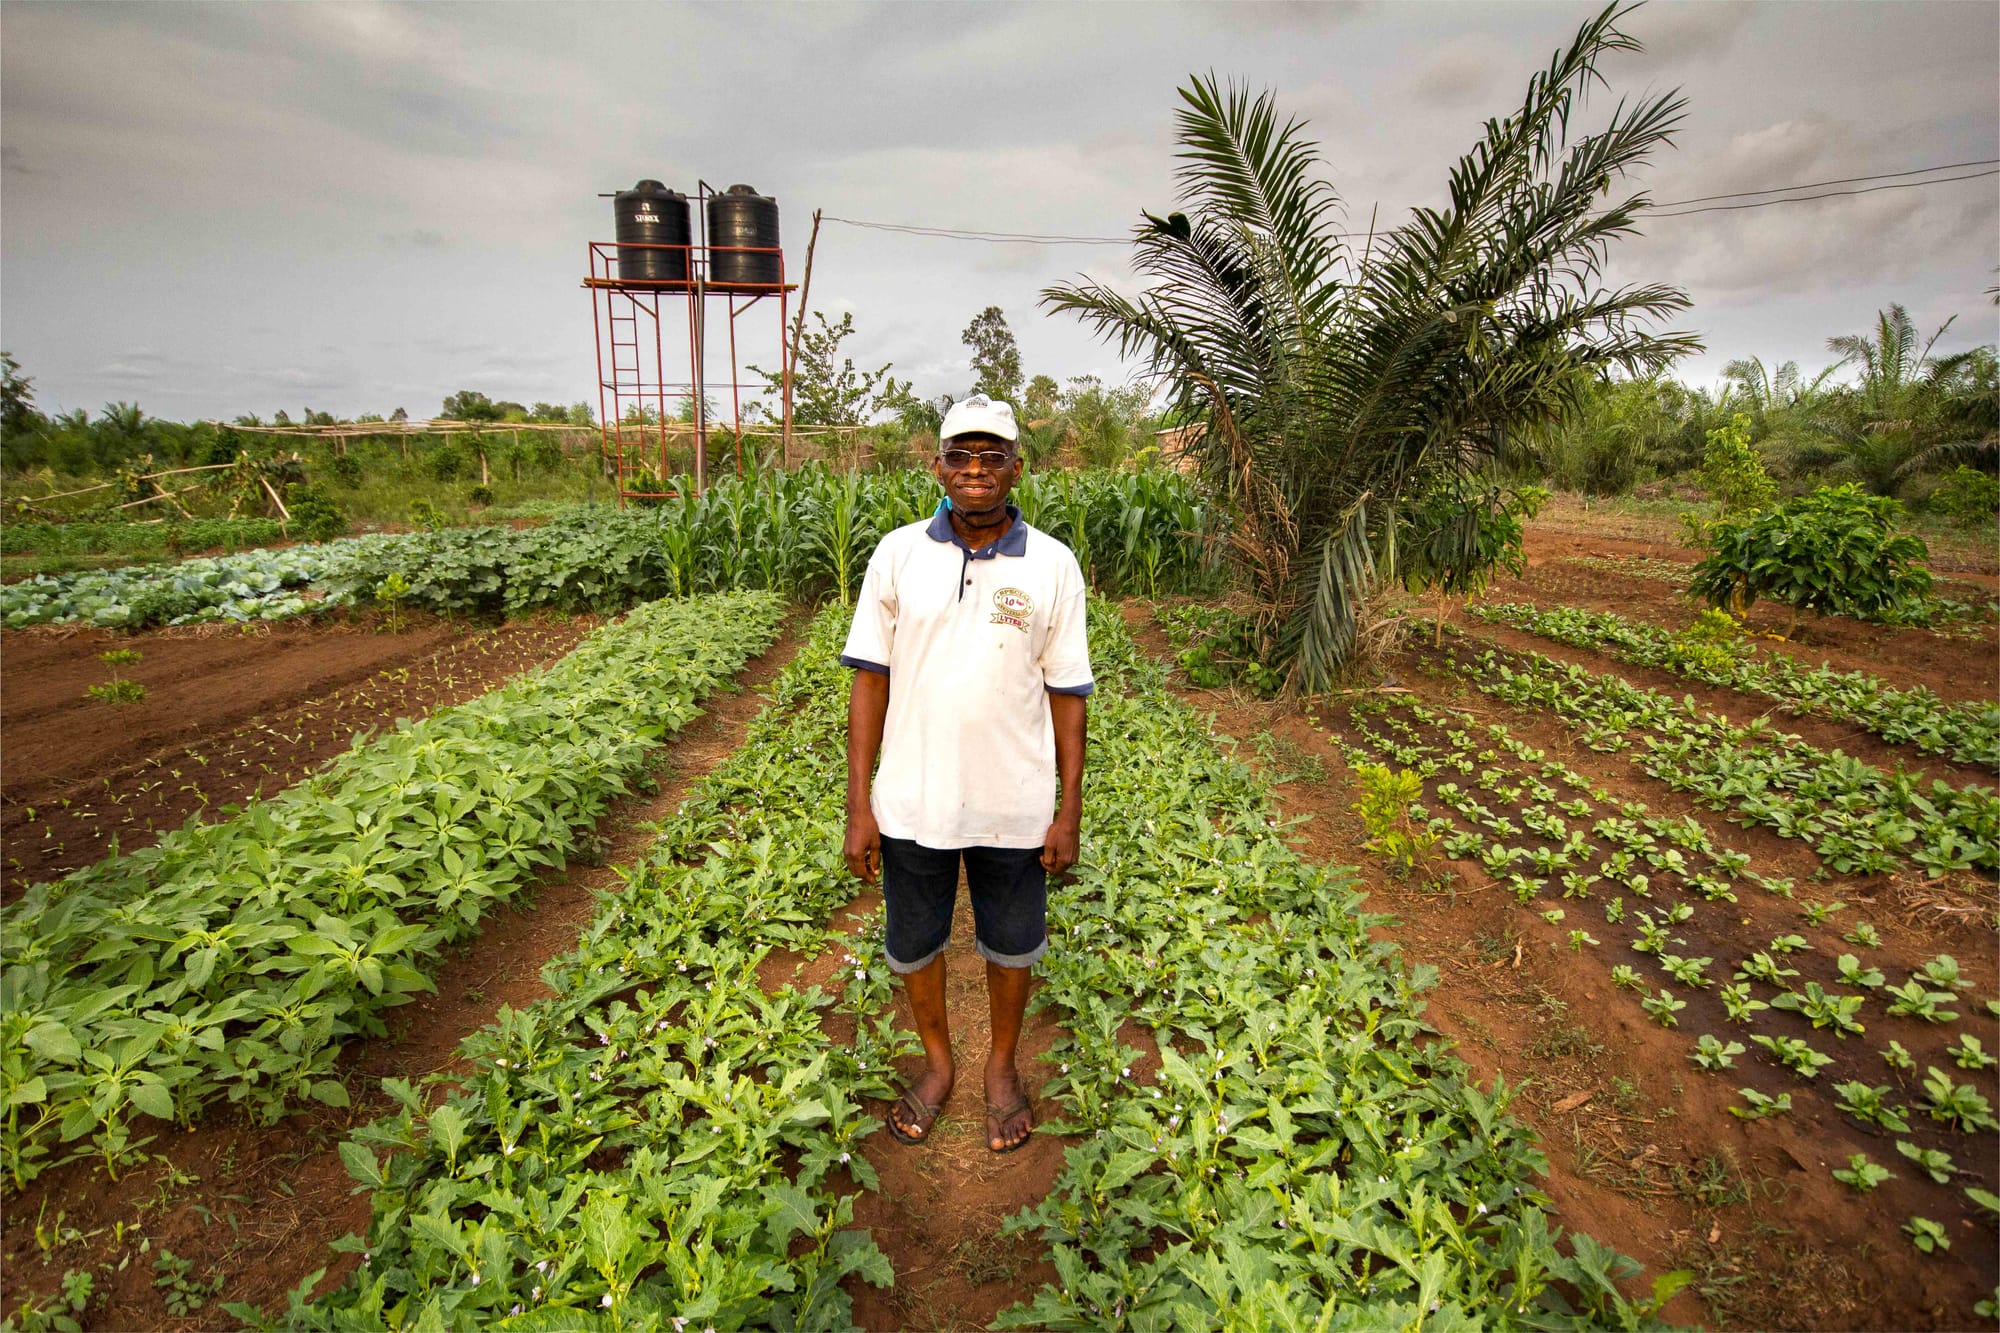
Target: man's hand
{"x":863,"y":848}
{"x":1059,"y":846}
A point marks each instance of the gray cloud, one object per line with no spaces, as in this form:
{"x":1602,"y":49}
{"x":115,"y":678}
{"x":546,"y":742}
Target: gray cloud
{"x":411,"y":186}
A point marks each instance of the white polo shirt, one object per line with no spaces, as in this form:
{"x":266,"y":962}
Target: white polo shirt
{"x":973,"y":643}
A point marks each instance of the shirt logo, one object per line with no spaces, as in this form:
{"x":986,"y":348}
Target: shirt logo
{"x":1013,"y":607}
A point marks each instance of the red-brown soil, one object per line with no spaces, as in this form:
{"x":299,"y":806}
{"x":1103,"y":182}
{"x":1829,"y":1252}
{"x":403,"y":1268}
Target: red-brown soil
{"x":1963,"y":664}
{"x":1643,"y":1152}
{"x":228,"y":714}
{"x":938,"y":1212}
{"x":259,"y":1205}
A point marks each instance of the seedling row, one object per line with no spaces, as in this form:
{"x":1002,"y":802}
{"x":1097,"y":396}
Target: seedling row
{"x":1967,"y":733}
{"x":1656,"y":901}
{"x":1857,"y":818}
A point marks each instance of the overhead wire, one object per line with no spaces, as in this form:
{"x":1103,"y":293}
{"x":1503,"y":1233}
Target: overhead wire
{"x":1788,"y":193}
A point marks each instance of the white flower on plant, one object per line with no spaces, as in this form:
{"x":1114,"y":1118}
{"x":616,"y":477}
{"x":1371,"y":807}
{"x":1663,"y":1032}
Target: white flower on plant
{"x":605,"y":1301}
{"x":475,"y":1277}
{"x":541,"y":1265}
{"x":843,"y":1159}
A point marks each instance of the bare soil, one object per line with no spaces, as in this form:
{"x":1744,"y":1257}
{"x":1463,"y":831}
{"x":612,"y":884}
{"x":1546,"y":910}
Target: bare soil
{"x":228,"y":714}
{"x":259,"y":1205}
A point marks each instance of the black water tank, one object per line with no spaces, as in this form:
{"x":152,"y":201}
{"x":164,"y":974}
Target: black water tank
{"x":740,"y":218}
{"x":651,"y":214}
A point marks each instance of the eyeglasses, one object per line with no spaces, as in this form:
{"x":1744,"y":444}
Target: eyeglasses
{"x":990,"y":459}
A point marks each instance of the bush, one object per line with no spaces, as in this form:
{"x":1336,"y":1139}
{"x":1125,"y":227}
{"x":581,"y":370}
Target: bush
{"x":1833,"y":552}
{"x":479,"y":495}
{"x":344,"y":470}
{"x":315,"y":517}
{"x":1967,"y":496}
{"x":447,"y":461}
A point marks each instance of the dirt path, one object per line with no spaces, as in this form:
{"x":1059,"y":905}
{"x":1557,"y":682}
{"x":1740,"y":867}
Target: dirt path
{"x":258,"y":1205}
{"x":938,"y":1212}
{"x":1641,"y":1149}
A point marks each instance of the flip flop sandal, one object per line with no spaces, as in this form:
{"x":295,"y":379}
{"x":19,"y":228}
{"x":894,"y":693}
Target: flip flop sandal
{"x":919,"y":1115}
{"x":997,"y":1116}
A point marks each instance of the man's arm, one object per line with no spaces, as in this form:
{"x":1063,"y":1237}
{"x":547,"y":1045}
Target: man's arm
{"x":1069,"y":714}
{"x":867,"y":706}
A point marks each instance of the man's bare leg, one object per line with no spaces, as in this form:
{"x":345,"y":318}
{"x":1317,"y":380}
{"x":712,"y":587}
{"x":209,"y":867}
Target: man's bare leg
{"x":1007,"y":996}
{"x":925,"y":987}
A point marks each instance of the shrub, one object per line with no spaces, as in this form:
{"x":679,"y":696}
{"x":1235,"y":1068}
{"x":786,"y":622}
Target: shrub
{"x":1733,"y":473}
{"x":344,"y":470}
{"x":315,"y":517}
{"x":448,"y":460}
{"x":479,"y":494}
{"x":1833,"y":552}
{"x":1967,"y":496}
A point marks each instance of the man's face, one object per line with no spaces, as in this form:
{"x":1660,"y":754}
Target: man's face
{"x":978,"y":471}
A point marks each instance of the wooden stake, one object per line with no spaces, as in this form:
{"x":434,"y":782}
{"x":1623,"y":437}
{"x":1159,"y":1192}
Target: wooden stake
{"x":798,"y":328}
{"x":284,"y":514}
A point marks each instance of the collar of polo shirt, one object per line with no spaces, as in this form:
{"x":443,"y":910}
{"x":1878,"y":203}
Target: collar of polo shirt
{"x":1014,"y":541}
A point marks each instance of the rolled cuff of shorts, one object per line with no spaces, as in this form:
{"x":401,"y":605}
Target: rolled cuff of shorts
{"x":904,"y":969}
{"x":1028,"y":959}
{"x":863,"y":664}
{"x":1083,"y":690}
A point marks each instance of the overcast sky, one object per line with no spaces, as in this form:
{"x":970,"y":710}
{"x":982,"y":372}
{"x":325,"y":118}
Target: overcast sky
{"x":218,"y":209}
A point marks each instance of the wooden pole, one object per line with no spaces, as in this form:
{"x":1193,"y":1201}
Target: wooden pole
{"x":284,"y":514}
{"x":798,"y":328}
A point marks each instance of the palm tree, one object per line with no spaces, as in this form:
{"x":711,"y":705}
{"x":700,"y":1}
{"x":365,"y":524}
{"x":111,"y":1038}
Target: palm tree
{"x":1910,"y":412}
{"x":1335,"y":380}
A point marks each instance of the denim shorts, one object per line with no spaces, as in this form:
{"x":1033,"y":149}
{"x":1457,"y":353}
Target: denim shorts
{"x":1010,"y":902}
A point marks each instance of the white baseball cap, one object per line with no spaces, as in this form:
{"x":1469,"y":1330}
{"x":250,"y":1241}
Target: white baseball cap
{"x":980,"y":415}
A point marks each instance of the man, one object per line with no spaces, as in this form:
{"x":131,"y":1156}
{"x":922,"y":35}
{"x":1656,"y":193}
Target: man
{"x":971,"y":674}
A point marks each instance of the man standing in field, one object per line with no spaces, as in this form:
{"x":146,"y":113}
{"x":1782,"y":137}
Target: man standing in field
{"x":971,"y":674}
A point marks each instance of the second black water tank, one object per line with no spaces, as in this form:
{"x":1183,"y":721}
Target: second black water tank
{"x":740,"y":218}
{"x":651,"y":214}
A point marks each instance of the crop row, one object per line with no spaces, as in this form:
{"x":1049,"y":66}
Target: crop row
{"x":233,"y":959}
{"x":138,"y":539}
{"x":252,"y":585}
{"x":1858,"y":818}
{"x":1534,"y":838}
{"x":1299,"y":1155}
{"x":1968,"y":733}
{"x":663,"y":1143}
{"x":808,"y":531}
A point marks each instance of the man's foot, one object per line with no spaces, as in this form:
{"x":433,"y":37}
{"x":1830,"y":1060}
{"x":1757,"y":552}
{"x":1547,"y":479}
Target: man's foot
{"x":910,"y":1119}
{"x":1009,"y":1116}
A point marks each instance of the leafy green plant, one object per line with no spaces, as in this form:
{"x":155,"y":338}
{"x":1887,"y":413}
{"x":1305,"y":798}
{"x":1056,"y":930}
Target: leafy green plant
{"x":1958,"y":1104}
{"x":1384,"y":807}
{"x":1862,"y":1175}
{"x":1833,"y":552}
{"x":1967,"y":496}
{"x":1757,"y":1106}
{"x":1822,"y":1009}
{"x":1713,"y":1053}
{"x":389,"y":595}
{"x":1863,"y":936}
{"x":315,"y":517}
{"x":1934,"y":1162}
{"x":1969,"y":1054}
{"x":182,"y":1292}
{"x":119,"y":689}
{"x":1663,"y":1007}
{"x":1871,"y":1105}
{"x":1852,"y":973}
{"x":1927,"y":1235}
{"x":1914,"y":999}
{"x":1795,"y":1053}
{"x":1738,"y":1003}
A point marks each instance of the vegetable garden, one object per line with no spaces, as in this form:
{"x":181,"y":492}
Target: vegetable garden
{"x":1259,"y":1125}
